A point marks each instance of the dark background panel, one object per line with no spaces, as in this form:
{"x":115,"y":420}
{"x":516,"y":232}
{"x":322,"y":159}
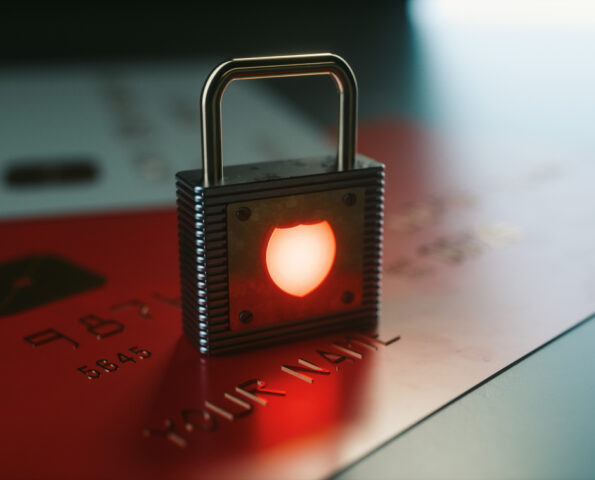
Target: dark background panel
{"x":373,"y":36}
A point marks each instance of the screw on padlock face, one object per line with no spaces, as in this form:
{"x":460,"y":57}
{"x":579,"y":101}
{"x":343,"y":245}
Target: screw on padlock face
{"x":246,"y":316}
{"x":243,"y":213}
{"x":349,"y":199}
{"x":281,"y":249}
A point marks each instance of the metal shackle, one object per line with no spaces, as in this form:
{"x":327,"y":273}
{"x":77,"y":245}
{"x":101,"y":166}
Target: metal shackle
{"x":278,"y":66}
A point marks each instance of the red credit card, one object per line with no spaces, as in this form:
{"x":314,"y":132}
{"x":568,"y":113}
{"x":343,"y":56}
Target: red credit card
{"x":484,"y":261}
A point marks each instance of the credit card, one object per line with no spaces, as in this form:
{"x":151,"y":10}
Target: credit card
{"x":488,"y":254}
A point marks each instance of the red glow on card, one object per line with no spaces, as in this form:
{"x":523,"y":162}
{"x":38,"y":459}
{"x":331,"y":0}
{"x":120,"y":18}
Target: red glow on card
{"x":299,"y":258}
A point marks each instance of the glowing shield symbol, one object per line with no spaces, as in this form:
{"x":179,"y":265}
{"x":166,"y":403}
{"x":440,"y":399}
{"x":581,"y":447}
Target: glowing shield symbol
{"x":299,"y":258}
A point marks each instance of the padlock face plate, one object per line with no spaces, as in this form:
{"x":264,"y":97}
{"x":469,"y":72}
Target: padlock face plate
{"x":251,"y":286}
{"x":212,"y":277}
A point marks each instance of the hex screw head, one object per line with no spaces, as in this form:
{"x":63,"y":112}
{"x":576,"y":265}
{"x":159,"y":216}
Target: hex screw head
{"x":246,"y":316}
{"x":349,"y":199}
{"x":347,"y":297}
{"x":243,"y":213}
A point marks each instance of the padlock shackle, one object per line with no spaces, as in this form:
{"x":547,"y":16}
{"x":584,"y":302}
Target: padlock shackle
{"x":280,"y":66}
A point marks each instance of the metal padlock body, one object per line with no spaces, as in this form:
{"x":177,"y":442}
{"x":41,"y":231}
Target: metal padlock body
{"x":229,"y":301}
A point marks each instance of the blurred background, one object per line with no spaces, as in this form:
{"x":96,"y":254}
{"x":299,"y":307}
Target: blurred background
{"x":508,"y":69}
{"x":490,"y":64}
{"x":375,"y":39}
{"x":100,"y":104}
{"x":127,"y":79}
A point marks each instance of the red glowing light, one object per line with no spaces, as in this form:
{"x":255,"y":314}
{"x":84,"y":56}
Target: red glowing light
{"x":299,"y":258}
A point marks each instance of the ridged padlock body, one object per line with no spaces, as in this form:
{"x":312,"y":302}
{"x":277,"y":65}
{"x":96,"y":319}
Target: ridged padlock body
{"x":229,"y":301}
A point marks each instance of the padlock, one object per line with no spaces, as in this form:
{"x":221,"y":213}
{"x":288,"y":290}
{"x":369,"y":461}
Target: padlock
{"x":279,"y":250}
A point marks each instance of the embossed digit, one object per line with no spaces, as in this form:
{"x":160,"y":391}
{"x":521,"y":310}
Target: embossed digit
{"x":101,"y":327}
{"x":90,"y":373}
{"x":142,"y":353}
{"x":106,"y":365}
{"x":125,"y":358}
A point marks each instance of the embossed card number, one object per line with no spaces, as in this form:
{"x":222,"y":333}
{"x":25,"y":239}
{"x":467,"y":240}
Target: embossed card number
{"x":106,"y":366}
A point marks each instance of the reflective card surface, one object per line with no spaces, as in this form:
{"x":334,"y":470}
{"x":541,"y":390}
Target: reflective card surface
{"x":488,"y":253}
